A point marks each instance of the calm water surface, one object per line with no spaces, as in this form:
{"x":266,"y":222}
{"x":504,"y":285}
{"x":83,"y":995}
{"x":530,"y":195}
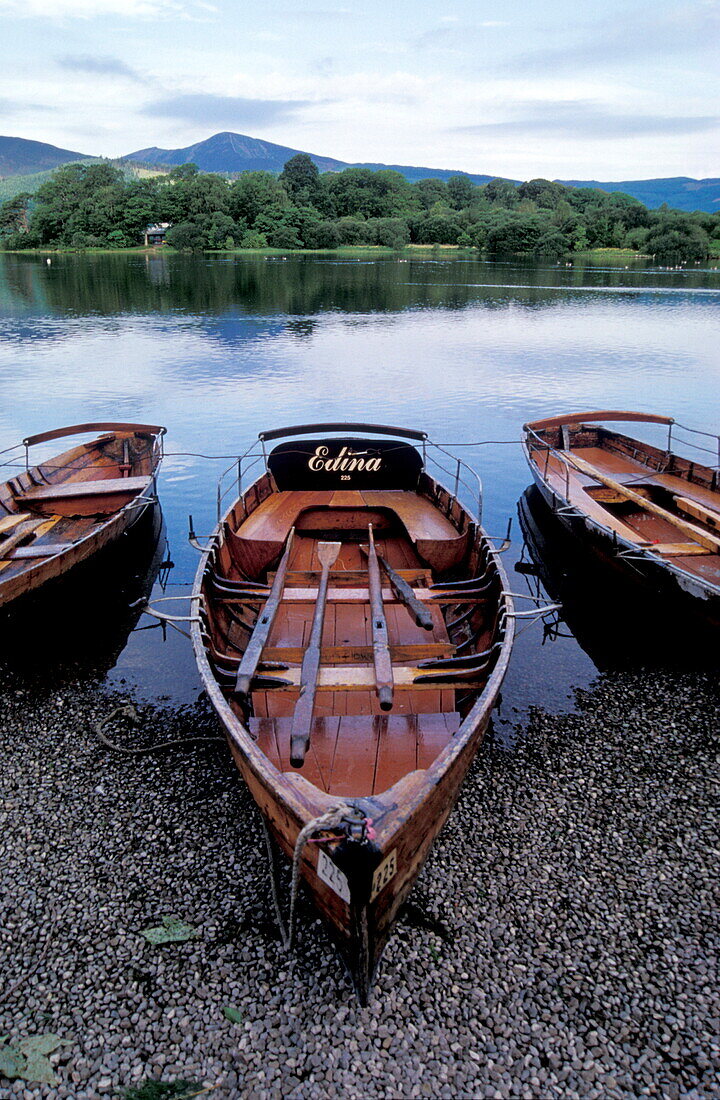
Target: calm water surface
{"x":219,"y":349}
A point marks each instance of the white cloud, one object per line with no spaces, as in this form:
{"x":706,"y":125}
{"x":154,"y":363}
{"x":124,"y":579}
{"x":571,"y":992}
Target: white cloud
{"x":97,"y":9}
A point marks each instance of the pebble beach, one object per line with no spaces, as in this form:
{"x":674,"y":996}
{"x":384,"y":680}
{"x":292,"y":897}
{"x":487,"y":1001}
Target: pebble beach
{"x":561,"y":941}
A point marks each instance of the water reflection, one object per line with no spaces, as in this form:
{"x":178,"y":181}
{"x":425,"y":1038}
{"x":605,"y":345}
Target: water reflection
{"x":106,"y":284}
{"x":78,"y":625}
{"x":221,"y":348}
{"x":617,"y":621}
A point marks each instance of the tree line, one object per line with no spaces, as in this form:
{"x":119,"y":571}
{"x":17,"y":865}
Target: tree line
{"x":99,"y":206}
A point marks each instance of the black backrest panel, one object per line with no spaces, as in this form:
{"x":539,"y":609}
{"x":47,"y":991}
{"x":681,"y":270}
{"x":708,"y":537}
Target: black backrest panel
{"x":347,"y":463}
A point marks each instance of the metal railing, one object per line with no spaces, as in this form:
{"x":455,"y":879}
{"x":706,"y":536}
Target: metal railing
{"x":462,"y":476}
{"x":542,"y":444}
{"x":696,"y":446}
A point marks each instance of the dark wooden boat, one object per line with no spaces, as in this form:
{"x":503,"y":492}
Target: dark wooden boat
{"x":352,"y":627}
{"x":641,"y":508}
{"x":56,"y":514}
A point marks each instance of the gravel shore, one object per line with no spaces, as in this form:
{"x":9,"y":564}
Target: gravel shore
{"x":561,"y":941}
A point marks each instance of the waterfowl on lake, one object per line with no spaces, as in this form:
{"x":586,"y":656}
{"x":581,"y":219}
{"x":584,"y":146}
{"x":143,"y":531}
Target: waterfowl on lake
{"x":352,"y":626}
{"x":641,"y":507}
{"x":58,"y":513}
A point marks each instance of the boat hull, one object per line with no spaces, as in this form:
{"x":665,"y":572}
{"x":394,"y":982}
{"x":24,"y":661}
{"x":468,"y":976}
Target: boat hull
{"x":358,"y":880}
{"x":643,"y":511}
{"x":661,"y":579}
{"x":70,"y":492}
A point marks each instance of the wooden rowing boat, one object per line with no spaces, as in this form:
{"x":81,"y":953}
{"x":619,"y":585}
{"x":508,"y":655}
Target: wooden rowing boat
{"x":352,"y":626}
{"x":58,"y":513}
{"x":642,"y":508}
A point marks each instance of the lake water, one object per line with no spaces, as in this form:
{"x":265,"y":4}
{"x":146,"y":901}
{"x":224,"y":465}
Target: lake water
{"x":220,"y":348}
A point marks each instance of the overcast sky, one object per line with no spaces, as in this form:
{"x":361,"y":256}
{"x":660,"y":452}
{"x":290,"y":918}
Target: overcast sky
{"x":616,"y":90}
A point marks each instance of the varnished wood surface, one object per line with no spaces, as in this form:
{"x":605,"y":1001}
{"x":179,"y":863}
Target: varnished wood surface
{"x":346,"y":677}
{"x":66,"y":508}
{"x":634,"y":474}
{"x":273,"y":519}
{"x":393,"y":746}
{"x":402,"y":769}
{"x":597,"y":415}
{"x":101,"y":486}
{"x":644,"y":504}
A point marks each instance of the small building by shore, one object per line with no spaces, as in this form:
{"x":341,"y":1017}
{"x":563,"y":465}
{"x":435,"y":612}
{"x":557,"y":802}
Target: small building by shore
{"x":155,"y":234}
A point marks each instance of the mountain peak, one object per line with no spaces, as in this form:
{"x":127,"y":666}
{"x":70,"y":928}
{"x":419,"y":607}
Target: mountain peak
{"x":228,"y":152}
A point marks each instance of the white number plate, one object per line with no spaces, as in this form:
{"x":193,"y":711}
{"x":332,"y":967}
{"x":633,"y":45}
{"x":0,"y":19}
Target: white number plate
{"x":383,"y":873}
{"x":332,"y":876}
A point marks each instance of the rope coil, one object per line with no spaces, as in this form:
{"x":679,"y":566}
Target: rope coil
{"x":331,"y":819}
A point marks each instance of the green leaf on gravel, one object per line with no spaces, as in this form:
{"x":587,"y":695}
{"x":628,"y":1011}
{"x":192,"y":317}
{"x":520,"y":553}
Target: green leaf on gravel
{"x":234,"y":1015}
{"x":172,"y":930}
{"x":12,"y":1062}
{"x":162,"y":1090}
{"x":27,"y":1059}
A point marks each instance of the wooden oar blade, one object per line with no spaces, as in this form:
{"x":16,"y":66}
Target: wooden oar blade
{"x":328,"y":553}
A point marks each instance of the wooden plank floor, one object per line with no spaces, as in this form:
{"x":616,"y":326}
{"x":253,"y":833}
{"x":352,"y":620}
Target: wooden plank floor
{"x":637,"y":525}
{"x":355,"y":748}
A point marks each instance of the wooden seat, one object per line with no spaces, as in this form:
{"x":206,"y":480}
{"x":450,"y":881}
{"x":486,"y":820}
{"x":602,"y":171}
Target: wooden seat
{"x":70,"y":489}
{"x":422,"y":520}
{"x":273,"y":519}
{"x":437,"y":541}
{"x":699,"y":511}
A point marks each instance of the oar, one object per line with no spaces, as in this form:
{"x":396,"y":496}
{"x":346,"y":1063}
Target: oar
{"x":381,"y":650}
{"x":31,"y":529}
{"x":404,"y":593}
{"x":263,"y":626}
{"x":704,"y":538}
{"x":302,"y":715}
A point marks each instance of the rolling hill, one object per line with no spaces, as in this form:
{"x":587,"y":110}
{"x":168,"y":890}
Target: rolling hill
{"x":232,"y":153}
{"x":679,"y":192}
{"x":20,"y":157}
{"x":229,"y":153}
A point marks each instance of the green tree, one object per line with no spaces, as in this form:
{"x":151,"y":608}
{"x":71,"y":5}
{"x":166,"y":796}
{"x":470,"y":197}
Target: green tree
{"x":427,"y":192}
{"x":301,"y":179}
{"x":254,"y":193}
{"x":674,"y":239}
{"x":460,"y":191}
{"x":186,"y":237}
{"x":14,"y":214}
{"x":501,"y":192}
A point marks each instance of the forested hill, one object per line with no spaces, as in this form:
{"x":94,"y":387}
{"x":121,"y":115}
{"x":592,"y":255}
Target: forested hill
{"x":234,"y":153}
{"x":229,"y":154}
{"x":679,"y":192}
{"x":97,"y":206}
{"x":20,"y":157}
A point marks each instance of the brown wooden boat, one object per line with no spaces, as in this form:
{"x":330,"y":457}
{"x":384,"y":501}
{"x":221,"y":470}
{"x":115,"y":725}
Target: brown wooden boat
{"x":352,"y":627}
{"x":59,"y":512}
{"x":643,"y":508}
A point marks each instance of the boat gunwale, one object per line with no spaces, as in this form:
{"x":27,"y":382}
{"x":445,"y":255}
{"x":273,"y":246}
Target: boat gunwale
{"x":644,"y":554}
{"x":36,"y":573}
{"x":289,"y":788}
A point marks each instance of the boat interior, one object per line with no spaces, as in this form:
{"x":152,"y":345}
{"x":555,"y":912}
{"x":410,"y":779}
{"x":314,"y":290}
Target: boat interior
{"x":653,"y":498}
{"x":48,"y":507}
{"x":439,"y":622}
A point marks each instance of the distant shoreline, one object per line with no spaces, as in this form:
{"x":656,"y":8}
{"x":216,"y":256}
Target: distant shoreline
{"x":418,"y":251}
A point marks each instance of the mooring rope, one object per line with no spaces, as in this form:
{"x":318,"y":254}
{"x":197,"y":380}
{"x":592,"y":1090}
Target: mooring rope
{"x":331,"y":819}
{"x":129,"y":711}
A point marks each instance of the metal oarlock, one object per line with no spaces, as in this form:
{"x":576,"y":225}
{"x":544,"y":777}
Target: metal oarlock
{"x":148,"y":608}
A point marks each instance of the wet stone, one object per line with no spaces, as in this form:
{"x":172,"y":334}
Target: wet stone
{"x":574,"y":889}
